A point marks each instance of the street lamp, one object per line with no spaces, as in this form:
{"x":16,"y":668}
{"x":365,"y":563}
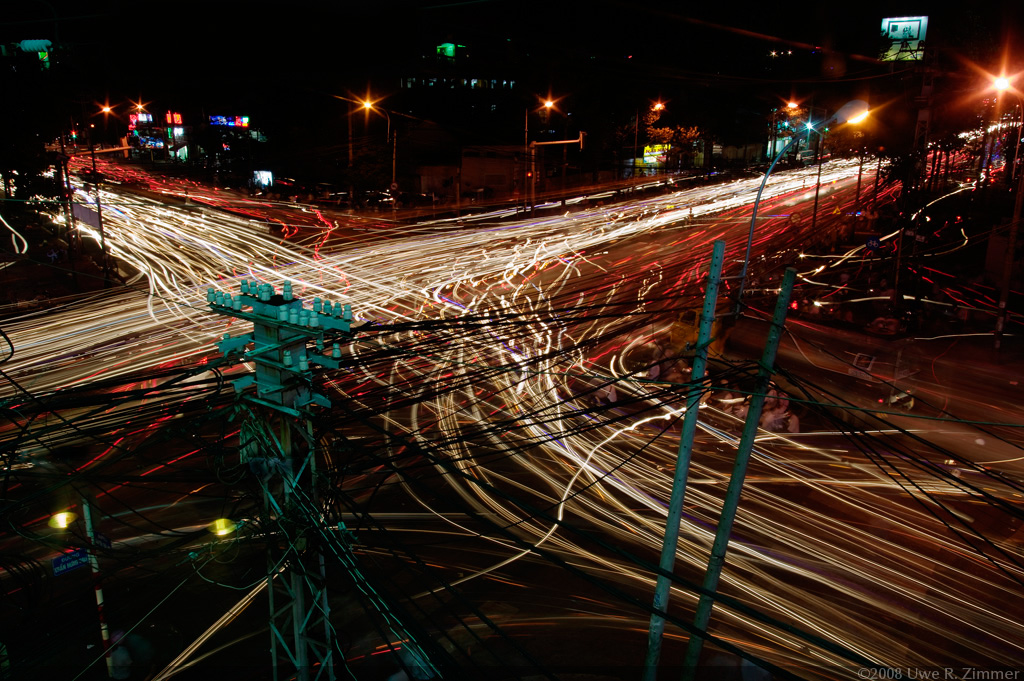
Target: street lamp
{"x":529,"y":157}
{"x":657,"y":106}
{"x":394,"y":149}
{"x":62,"y":520}
{"x":854,"y":111}
{"x":1002,"y":84}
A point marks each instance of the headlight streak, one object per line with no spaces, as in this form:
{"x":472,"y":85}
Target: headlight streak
{"x":542,"y":285}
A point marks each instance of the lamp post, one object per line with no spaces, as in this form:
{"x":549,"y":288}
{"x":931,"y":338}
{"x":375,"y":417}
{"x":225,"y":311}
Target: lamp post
{"x":367,"y":105}
{"x":657,"y":106}
{"x":1002,"y":84}
{"x":817,"y":182}
{"x":394,"y":147}
{"x":852,"y":112}
{"x":530,"y":158}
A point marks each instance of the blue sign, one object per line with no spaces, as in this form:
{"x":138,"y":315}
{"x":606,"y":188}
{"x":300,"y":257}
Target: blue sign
{"x":70,"y":561}
{"x":872,"y":243}
{"x":101,"y":541}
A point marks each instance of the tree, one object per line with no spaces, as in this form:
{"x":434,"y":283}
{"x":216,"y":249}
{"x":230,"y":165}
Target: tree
{"x":685,"y":143}
{"x":784,"y":123}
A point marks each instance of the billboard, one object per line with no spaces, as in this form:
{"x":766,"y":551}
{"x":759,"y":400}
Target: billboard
{"x":903,"y":38}
{"x":656,"y":154}
{"x":230,"y":121}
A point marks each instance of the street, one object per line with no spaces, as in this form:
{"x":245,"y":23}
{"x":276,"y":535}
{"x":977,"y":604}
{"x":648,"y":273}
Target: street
{"x":501,"y":392}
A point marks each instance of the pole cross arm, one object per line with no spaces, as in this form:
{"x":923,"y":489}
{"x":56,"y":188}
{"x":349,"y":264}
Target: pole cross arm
{"x":544,"y":144}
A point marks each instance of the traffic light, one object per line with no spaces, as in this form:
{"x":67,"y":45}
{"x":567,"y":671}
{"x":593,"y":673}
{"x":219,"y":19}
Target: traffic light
{"x":40,"y":47}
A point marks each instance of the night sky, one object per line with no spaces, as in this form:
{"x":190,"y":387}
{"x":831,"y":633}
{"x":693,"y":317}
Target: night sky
{"x":291,"y":57}
{"x":136,"y":45}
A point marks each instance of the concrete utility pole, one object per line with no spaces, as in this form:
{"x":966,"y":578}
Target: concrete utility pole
{"x":739,"y":472}
{"x":94,"y":566}
{"x":675,"y":504}
{"x":99,"y":214}
{"x":300,"y":631}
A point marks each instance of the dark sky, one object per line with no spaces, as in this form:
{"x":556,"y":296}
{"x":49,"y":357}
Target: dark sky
{"x":245,"y":54}
{"x":126,"y":44}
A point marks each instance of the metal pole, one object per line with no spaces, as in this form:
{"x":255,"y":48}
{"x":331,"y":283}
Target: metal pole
{"x":814,"y":211}
{"x":860,"y":173}
{"x":878,"y":177}
{"x":1016,"y":146}
{"x":1011,"y":248}
{"x":739,"y":471}
{"x":99,"y":212}
{"x":94,"y":565}
{"x":675,"y":504}
{"x":636,"y":134}
{"x":753,"y":221}
{"x":526,"y":156}
{"x":532,"y":176}
{"x":72,"y":228}
{"x":351,"y":154}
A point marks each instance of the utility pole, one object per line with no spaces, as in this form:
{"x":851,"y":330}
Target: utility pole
{"x":675,"y":504}
{"x":739,"y":472}
{"x":99,"y":213}
{"x":69,"y":211}
{"x":817,"y":190}
{"x":300,"y":630}
{"x":94,"y":566}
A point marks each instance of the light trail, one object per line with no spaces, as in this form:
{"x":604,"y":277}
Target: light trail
{"x":532,"y":325}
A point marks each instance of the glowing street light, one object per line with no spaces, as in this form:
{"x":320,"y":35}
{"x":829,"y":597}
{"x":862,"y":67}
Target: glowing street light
{"x":859,"y":118}
{"x":223,"y":527}
{"x":62,"y":520}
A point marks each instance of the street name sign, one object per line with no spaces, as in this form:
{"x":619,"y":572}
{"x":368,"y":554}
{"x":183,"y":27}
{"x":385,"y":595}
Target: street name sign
{"x":69,"y":561}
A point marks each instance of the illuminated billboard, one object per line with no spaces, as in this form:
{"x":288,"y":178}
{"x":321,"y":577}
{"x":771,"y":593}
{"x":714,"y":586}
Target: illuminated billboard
{"x":904,"y":38}
{"x":230,"y":121}
{"x":656,"y":154}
